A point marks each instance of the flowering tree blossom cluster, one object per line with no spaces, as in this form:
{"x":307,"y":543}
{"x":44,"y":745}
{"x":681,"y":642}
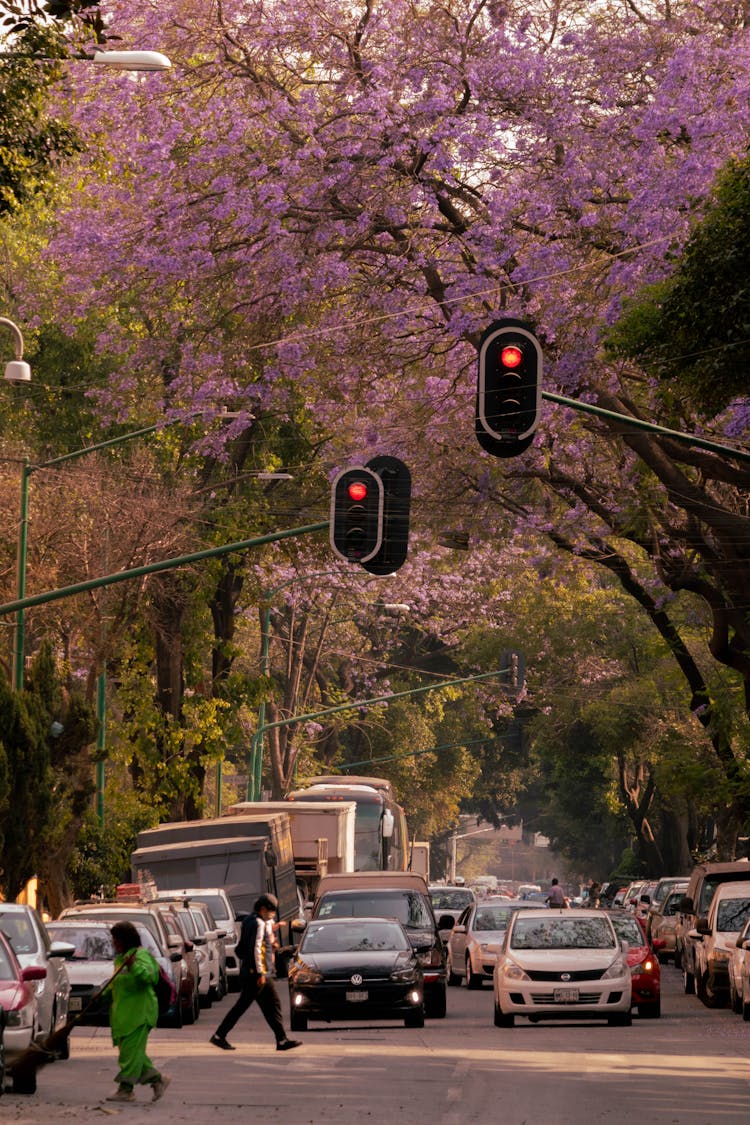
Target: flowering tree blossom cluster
{"x":324,"y":204}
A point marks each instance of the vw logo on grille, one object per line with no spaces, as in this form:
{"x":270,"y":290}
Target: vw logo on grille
{"x":356,"y":978}
{"x":564,"y":976}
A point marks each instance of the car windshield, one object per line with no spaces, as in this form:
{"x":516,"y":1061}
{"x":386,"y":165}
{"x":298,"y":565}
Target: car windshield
{"x":215,"y":904}
{"x":627,"y":929}
{"x":492,"y":918}
{"x":92,"y":943}
{"x":451,"y":900}
{"x":732,"y":914}
{"x":408,"y":907}
{"x":672,"y":903}
{"x":19,"y":932}
{"x":562,"y":933}
{"x":351,"y":938}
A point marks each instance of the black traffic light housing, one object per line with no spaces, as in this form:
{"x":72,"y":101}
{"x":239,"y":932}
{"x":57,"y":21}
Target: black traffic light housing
{"x":509,"y":387}
{"x":357,"y":514}
{"x":370,"y":514}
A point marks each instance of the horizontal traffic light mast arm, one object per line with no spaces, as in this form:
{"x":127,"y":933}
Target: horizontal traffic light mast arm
{"x":354,"y":704}
{"x":649,"y":427}
{"x":154,"y":568}
{"x":413,"y":754}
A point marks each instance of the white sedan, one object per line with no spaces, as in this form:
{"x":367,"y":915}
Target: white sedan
{"x":31,"y":943}
{"x":475,"y":939}
{"x":562,"y":964}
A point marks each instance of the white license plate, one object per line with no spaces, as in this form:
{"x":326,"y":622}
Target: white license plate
{"x":75,"y":1004}
{"x":565,"y":995}
{"x":355,"y":996}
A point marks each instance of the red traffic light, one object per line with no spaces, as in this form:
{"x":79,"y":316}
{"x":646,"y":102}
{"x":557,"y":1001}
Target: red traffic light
{"x":357,"y":490}
{"x":511,"y":356}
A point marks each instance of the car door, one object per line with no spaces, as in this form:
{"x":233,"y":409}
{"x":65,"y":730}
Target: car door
{"x":457,"y":941}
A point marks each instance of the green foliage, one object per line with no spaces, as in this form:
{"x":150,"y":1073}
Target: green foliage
{"x":693,"y":331}
{"x":101,"y":857}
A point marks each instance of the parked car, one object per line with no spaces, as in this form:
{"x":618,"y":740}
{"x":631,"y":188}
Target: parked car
{"x":739,"y":973}
{"x":392,"y":894}
{"x":663,"y":888}
{"x":715,"y":936}
{"x":28,"y":935}
{"x":662,"y":923}
{"x":149,"y":916}
{"x":205,"y":967}
{"x":562,"y":964}
{"x":632,"y":892}
{"x":642,"y":904}
{"x":702,"y":884}
{"x":19,"y":1016}
{"x":475,"y":939}
{"x":219,"y":903}
{"x":355,"y":968}
{"x":644,"y":965}
{"x":180,"y":939}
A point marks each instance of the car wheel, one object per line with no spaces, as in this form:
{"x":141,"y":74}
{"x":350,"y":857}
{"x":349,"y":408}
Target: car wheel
{"x":735,"y":1000}
{"x":205,"y":1001}
{"x":706,"y":994}
{"x":298,"y":1022}
{"x":746,"y":1011}
{"x":501,"y":1020}
{"x":472,"y":980}
{"x":415,"y":1019}
{"x":622,"y":1019}
{"x":436,"y":1004}
{"x":688,"y":983}
{"x":453,"y":978}
{"x":650,"y":1011}
{"x":677,"y":959}
{"x":2,"y":1065}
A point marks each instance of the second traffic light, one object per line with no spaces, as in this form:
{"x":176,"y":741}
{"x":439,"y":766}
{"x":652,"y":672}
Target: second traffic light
{"x":509,"y":390}
{"x":370,"y":514}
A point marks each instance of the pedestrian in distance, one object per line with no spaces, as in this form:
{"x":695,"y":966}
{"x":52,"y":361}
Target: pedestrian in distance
{"x":134,"y":1010}
{"x":255,"y":951}
{"x":556,"y":896}
{"x":594,"y":897}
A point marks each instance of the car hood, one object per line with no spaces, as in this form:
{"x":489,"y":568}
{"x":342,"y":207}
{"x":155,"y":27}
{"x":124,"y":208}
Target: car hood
{"x":562,"y":959}
{"x":89,"y":972}
{"x":366,"y":963}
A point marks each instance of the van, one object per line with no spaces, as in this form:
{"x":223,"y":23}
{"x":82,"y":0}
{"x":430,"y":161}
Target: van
{"x":392,"y":894}
{"x":714,"y":936}
{"x":702,"y":884}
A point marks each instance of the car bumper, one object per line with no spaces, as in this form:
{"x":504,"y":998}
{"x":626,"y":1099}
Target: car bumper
{"x":15,"y":1040}
{"x":379,"y":1001}
{"x":95,"y":1016}
{"x":582,"y":999}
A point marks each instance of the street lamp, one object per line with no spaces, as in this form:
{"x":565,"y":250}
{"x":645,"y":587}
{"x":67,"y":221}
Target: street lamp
{"x":17,"y":370}
{"x":148,"y":61}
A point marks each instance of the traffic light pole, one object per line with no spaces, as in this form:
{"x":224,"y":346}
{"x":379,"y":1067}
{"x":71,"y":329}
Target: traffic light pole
{"x":648,"y":427}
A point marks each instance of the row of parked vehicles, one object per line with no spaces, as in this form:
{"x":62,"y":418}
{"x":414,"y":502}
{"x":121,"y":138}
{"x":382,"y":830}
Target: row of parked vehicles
{"x":51,"y":972}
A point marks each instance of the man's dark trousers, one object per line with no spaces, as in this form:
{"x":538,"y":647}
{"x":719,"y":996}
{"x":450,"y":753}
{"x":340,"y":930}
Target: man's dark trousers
{"x":268,"y":1002}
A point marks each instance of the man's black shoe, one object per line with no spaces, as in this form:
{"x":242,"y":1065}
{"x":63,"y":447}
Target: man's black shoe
{"x":288,"y":1044}
{"x":220,"y":1041}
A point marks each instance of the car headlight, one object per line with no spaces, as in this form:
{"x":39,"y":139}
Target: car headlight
{"x":430,"y":958}
{"x":512,"y":971}
{"x":618,"y":968}
{"x":306,"y":976}
{"x":646,"y":966}
{"x":404,"y":974}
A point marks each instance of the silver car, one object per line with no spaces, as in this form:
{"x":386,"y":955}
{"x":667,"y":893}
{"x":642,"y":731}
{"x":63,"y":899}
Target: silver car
{"x":32,"y":945}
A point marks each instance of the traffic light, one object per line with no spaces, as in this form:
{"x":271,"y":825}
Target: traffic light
{"x":357,"y":514}
{"x":370,"y":514}
{"x":396,"y":480}
{"x":509,"y":387}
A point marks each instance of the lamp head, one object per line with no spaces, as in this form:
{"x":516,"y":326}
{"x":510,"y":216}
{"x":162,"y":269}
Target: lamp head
{"x":18,"y":371}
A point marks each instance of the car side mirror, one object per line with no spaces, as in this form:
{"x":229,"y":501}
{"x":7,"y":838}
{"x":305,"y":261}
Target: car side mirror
{"x":175,"y":957}
{"x":686,"y":905}
{"x":459,"y":929}
{"x":624,"y":945}
{"x":61,"y":949}
{"x":298,"y":926}
{"x":694,"y":935}
{"x":446,"y":922}
{"x":34,"y":972}
{"x":702,"y":926}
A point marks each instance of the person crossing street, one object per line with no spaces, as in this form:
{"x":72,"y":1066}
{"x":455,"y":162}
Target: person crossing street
{"x":255,"y":952}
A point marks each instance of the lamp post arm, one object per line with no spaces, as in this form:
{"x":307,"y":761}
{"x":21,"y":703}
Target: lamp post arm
{"x":354,"y":704}
{"x":155,"y":568}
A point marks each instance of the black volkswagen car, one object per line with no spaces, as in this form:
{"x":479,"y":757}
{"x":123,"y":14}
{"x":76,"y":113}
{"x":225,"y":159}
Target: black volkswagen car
{"x":354,"y":969}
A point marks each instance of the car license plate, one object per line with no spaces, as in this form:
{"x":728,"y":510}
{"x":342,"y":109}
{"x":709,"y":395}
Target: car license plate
{"x":75,"y":1004}
{"x":355,"y":996}
{"x":565,"y":995}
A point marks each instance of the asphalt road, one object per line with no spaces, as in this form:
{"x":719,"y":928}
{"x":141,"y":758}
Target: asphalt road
{"x":691,"y":1067}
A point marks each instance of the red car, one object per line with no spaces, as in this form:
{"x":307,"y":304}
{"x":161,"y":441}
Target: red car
{"x":644,"y":964}
{"x":20,"y":1015}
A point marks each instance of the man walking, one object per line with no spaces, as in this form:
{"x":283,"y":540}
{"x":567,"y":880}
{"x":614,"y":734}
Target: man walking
{"x":556,"y":896}
{"x":255,"y":953}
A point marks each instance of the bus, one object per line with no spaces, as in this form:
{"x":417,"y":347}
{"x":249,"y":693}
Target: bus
{"x":380,"y":836}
